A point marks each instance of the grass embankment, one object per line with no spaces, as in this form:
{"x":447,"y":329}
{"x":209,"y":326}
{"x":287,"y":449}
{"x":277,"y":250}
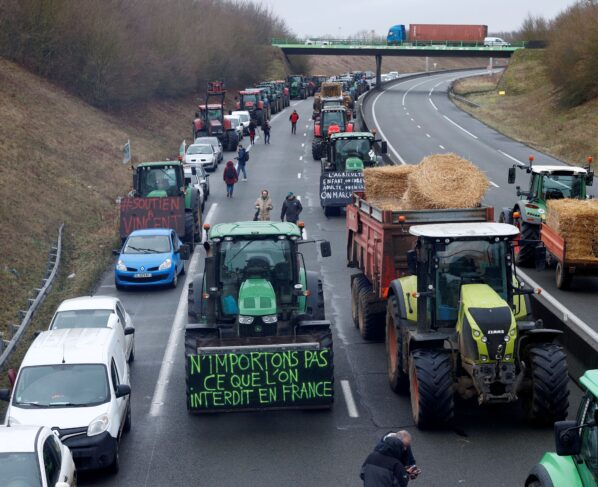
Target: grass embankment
{"x":530,"y":110}
{"x":60,"y":161}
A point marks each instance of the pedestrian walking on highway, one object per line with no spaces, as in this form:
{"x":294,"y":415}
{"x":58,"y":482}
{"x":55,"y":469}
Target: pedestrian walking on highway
{"x":291,"y":208}
{"x":391,"y":463}
{"x":263,"y":206}
{"x":252,"y":127}
{"x":242,"y":158}
{"x":293,"y":118}
{"x":230,"y":177}
{"x":266,"y":129}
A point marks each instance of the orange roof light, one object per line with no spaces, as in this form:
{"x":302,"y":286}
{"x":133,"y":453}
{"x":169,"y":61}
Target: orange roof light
{"x":206,"y":226}
{"x":180,"y":158}
{"x":590,"y":159}
{"x":531,"y":158}
{"x":301,"y":224}
{"x":402,"y":219}
{"x":516,"y":214}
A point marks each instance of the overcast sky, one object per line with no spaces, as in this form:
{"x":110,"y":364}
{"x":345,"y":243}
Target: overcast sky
{"x":344,"y":17}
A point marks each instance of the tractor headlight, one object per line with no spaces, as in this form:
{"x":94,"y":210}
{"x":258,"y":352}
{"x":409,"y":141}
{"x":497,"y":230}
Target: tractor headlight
{"x":476,"y":333}
{"x":269,"y":319}
{"x":167,"y":264}
{"x":484,"y":358}
{"x":120,"y":266}
{"x":507,"y":338}
{"x":484,"y":339}
{"x":508,"y":356}
{"x":245,"y":320}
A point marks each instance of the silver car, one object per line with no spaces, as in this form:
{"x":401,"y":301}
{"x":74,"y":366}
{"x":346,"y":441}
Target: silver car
{"x":215,"y":143}
{"x":202,"y":154}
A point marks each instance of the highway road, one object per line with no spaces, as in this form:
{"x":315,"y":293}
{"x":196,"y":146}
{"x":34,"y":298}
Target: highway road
{"x":167,"y":446}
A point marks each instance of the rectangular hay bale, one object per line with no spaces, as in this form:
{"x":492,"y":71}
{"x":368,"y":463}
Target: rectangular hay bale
{"x":577,"y":222}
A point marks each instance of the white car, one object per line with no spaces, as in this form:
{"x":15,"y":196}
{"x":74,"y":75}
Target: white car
{"x":244,"y":118}
{"x":495,"y":41}
{"x":215,"y":143}
{"x":76,"y":382}
{"x":202,"y":155}
{"x":97,"y":312}
{"x":236,"y":124}
{"x":195,"y":182}
{"x":34,"y":456}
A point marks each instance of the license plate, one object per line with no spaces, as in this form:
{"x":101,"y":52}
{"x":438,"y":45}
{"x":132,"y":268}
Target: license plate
{"x":145,"y":274}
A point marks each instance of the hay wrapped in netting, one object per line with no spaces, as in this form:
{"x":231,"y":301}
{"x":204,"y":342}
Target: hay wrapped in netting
{"x":577,"y":222}
{"x":445,"y":181}
{"x":386,"y":185}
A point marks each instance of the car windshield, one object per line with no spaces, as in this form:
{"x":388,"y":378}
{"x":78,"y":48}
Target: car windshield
{"x":147,"y":244}
{"x":266,"y":259}
{"x":464,"y":262}
{"x":199,"y":149}
{"x":559,"y":186}
{"x":20,"y":469}
{"x":329,"y":118}
{"x":158,"y":182}
{"x":62,"y":385}
{"x":352,"y":148}
{"x":81,"y":318}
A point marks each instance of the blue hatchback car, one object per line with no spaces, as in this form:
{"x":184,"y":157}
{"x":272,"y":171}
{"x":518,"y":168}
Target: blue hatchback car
{"x":150,"y":257}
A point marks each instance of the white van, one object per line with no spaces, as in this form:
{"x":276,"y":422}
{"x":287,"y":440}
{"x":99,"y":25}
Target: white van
{"x":495,"y":41}
{"x":76,"y":381}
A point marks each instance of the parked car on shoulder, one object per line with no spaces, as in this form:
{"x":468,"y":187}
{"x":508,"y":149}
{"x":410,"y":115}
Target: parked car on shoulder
{"x":202,"y":154}
{"x":245,"y":119}
{"x":97,"y":312}
{"x":75,"y":381}
{"x":192,"y":178}
{"x":215,"y":143}
{"x":236,"y":124}
{"x":151,"y":257}
{"x":33,"y":456}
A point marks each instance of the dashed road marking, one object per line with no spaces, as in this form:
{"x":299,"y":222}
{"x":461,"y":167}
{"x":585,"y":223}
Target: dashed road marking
{"x":511,"y":157}
{"x":303,"y":144}
{"x":298,"y":175}
{"x":428,"y":136}
{"x":412,"y":120}
{"x":441,"y":146}
{"x":494,"y":184}
{"x":349,"y":401}
{"x":419,"y":126}
{"x":459,"y":127}
{"x":300,"y":158}
{"x":305,"y":134}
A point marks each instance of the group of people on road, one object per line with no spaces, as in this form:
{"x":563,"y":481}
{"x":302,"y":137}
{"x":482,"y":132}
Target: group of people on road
{"x":291,"y":207}
{"x":253,"y":126}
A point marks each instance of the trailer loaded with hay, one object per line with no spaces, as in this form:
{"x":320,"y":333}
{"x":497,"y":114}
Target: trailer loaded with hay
{"x":441,"y":189}
{"x":570,"y":235}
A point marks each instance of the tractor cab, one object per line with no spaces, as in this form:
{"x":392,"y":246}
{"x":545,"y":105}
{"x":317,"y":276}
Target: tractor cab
{"x":329,"y":117}
{"x":351,"y":152}
{"x":159,"y":180}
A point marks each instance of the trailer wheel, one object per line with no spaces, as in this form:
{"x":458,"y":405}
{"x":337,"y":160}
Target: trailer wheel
{"x":563,"y":278}
{"x":359,"y":282}
{"x":431,"y":387}
{"x":525,"y":256}
{"x":189,"y":229}
{"x":331,"y":211}
{"x":397,"y":378}
{"x":371,"y":322}
{"x":548,"y":399}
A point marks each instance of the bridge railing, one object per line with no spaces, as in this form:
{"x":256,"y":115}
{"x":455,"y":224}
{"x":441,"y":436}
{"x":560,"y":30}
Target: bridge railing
{"x":384,"y":43}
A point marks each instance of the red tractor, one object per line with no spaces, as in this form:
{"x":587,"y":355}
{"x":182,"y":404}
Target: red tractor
{"x":209,"y":119}
{"x":332,"y":120}
{"x":250,"y":100}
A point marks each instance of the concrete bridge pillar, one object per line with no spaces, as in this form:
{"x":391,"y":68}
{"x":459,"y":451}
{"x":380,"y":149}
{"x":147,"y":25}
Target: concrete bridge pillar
{"x":378,"y":71}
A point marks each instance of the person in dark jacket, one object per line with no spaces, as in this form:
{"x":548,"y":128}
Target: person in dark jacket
{"x":252,"y":128}
{"x":391,"y":464}
{"x":242,"y":158}
{"x":230,"y":177}
{"x":291,"y":208}
{"x":266,"y":129}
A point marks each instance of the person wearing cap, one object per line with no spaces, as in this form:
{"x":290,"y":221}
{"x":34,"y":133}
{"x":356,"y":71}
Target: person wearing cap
{"x":291,"y":208}
{"x":391,"y":463}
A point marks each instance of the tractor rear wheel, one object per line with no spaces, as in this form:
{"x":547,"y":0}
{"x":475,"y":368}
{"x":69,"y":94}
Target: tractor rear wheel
{"x":371,"y":321}
{"x":359,"y":282}
{"x":431,"y":387}
{"x":316,"y":149}
{"x":397,"y":378}
{"x":189,"y":230}
{"x":563,"y":278}
{"x":525,"y":256}
{"x":548,"y":399}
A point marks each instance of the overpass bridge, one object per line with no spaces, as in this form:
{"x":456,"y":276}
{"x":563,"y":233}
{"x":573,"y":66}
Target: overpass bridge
{"x":419,"y":48}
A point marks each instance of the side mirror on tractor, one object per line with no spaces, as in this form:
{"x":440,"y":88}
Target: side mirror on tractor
{"x":383,"y":147}
{"x":412,"y":262}
{"x":325,"y":248}
{"x":512,"y":175}
{"x":567,"y":438}
{"x":540,"y":258}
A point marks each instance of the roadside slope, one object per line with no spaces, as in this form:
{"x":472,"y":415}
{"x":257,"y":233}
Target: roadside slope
{"x":529,"y":111}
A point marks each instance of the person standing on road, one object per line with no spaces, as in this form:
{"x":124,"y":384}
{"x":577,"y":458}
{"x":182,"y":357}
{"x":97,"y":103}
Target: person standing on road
{"x":252,"y":127}
{"x":391,"y":463}
{"x":263,"y":206}
{"x":293,"y":118}
{"x":291,"y":208}
{"x":242,"y":158}
{"x":266,"y":129}
{"x":230,"y":177}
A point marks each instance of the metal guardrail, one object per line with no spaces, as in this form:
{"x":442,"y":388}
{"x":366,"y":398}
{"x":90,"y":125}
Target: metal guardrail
{"x":7,"y":347}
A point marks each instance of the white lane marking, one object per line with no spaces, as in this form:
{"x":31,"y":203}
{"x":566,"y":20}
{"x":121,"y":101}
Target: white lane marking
{"x":442,"y":147}
{"x":435,"y":107}
{"x":298,"y":175}
{"x":459,"y":126}
{"x":300,"y":158}
{"x":350,"y":402}
{"x":178,"y":326}
{"x":394,"y":151}
{"x":494,"y":184}
{"x":405,"y":108}
{"x":412,"y":120}
{"x":511,"y":157}
{"x":407,"y":114}
{"x":305,"y":134}
{"x":419,"y":126}
{"x":414,"y":86}
{"x":428,"y":136}
{"x":303,"y":144}
{"x":307,"y":126}
{"x":108,"y":286}
{"x":567,"y":315}
{"x":208,"y":219}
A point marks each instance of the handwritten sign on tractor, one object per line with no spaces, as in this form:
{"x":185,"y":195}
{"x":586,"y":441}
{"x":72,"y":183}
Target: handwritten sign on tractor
{"x":138,"y":213}
{"x":336,"y":188}
{"x":259,"y":380}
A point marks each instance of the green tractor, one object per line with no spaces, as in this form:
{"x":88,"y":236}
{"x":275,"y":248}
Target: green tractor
{"x":575,"y":463}
{"x":342,"y":171}
{"x":162,"y":198}
{"x":297,"y":87}
{"x":258,"y":337}
{"x":546,"y":183}
{"x":461,"y":323}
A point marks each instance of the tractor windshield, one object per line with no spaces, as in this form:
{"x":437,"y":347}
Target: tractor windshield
{"x":359,"y":148}
{"x":250,"y":99}
{"x":329,"y":118}
{"x":214,"y":114}
{"x":258,"y":259}
{"x":559,"y":186}
{"x":158,"y":182}
{"x":466,"y":262}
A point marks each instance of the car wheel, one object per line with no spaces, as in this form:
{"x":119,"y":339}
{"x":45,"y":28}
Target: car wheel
{"x":128,"y":421}
{"x":175,"y":280}
{"x":118,"y":286}
{"x":114,"y":467}
{"x":132,"y":354}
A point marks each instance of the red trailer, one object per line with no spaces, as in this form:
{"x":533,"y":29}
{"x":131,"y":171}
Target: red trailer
{"x":447,"y":32}
{"x":377,"y":245}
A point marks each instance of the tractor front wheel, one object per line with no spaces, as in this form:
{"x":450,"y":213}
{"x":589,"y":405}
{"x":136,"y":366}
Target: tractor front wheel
{"x":548,"y":399}
{"x":525,"y":256}
{"x":431,"y":387}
